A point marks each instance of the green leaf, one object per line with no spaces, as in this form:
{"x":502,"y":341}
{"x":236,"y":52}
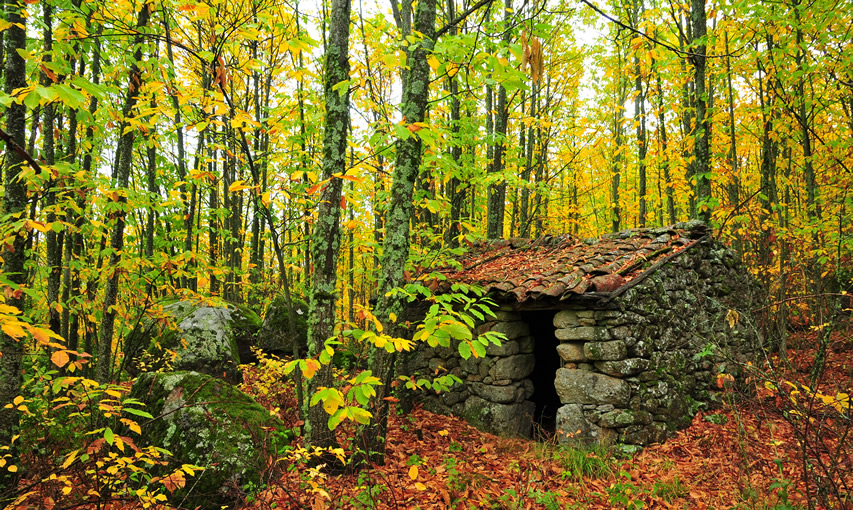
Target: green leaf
{"x":336,"y":419}
{"x":70,"y":97}
{"x":32,"y":100}
{"x":479,"y":349}
{"x":92,"y":88}
{"x":359,"y":415}
{"x":138,"y":412}
{"x":465,"y":350}
{"x":108,"y":436}
{"x":458,"y":331}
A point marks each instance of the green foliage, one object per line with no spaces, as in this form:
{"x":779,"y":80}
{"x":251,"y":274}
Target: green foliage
{"x":596,"y":461}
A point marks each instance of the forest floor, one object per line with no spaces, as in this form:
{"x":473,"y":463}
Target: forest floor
{"x":748,"y":453}
{"x":743,"y":455}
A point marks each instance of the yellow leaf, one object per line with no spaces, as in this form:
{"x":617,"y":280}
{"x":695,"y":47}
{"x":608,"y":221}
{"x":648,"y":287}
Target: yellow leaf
{"x":40,"y":335}
{"x":413,"y":472}
{"x":18,"y":400}
{"x":13,"y":329}
{"x":237,"y":186}
{"x":331,"y":405}
{"x":420,"y":486}
{"x":433,"y":62}
{"x":311,"y":367}
{"x":9,"y":310}
{"x":12,"y":468}
{"x":265,"y":199}
{"x":70,"y":459}
{"x":393,"y":317}
{"x":443,"y":433}
{"x":59,"y":358}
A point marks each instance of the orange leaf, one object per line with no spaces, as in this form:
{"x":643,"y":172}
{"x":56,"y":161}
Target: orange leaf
{"x":59,"y":358}
{"x":174,"y":481}
{"x":50,"y":74}
{"x":313,"y":189}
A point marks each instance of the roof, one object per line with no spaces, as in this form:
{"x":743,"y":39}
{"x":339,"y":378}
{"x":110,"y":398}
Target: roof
{"x":563,"y":267}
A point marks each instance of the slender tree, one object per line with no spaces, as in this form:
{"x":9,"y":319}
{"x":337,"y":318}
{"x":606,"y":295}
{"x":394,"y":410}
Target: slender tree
{"x":121,"y":173}
{"x":325,"y":242}
{"x":396,"y":243}
{"x":14,"y":256}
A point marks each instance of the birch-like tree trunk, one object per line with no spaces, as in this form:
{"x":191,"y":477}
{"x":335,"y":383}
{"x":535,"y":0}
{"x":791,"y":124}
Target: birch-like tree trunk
{"x":325,"y":241}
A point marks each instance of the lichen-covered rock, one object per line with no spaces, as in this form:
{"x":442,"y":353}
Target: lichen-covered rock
{"x":207,"y":422}
{"x":514,"y":367}
{"x":573,"y":428}
{"x":191,"y":336}
{"x":623,"y":367}
{"x":501,"y":419}
{"x":275,"y":332}
{"x":584,"y":387}
{"x":605,"y":351}
{"x":512,"y":330}
{"x":506,"y":348}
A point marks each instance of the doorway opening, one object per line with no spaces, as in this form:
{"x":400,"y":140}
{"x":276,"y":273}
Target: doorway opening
{"x":545,"y":371}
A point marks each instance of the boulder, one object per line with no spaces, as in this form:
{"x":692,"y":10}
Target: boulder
{"x":605,"y":351}
{"x":207,"y":422}
{"x":191,"y":336}
{"x":275,"y":334}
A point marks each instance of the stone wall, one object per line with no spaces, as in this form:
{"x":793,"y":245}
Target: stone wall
{"x":496,"y":390}
{"x":633,"y":369}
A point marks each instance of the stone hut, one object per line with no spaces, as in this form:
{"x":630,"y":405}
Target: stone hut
{"x":617,"y":339}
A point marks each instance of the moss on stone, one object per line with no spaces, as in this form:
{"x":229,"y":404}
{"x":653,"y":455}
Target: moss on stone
{"x":207,"y":422}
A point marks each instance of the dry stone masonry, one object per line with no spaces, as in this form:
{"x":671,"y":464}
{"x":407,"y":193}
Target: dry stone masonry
{"x":636,"y":361}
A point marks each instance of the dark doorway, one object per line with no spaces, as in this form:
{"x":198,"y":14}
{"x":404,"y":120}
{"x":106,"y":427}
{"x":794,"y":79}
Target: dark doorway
{"x":547,"y":362}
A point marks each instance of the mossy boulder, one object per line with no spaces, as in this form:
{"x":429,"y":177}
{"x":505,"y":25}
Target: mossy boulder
{"x":207,"y":422}
{"x":192,"y":336}
{"x":275,"y":333}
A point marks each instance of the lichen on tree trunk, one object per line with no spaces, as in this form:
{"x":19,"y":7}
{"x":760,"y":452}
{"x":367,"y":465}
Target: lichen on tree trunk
{"x":325,"y":240}
{"x":14,"y":202}
{"x":396,"y":242}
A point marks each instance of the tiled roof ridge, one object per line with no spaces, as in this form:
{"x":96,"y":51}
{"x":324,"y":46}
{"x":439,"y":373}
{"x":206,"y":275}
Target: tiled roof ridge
{"x":563,"y":266}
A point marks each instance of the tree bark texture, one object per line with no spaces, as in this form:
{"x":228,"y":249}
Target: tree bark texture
{"x":124,"y":157}
{"x":396,"y":242}
{"x":702,"y":131}
{"x":14,"y":203}
{"x":326,"y":235}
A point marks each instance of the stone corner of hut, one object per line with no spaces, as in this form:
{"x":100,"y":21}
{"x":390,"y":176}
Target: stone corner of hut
{"x":631,"y":365}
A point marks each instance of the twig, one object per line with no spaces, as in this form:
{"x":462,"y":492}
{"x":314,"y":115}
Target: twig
{"x":12,"y":144}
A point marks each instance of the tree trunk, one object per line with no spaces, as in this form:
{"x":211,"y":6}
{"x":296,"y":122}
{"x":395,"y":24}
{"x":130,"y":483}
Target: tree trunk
{"x":14,"y":256}
{"x":497,"y":191}
{"x":701,"y":134}
{"x":616,"y":171}
{"x":396,"y":243}
{"x":54,"y":256}
{"x":326,"y":237}
{"x":640,"y":123}
{"x":121,"y":174}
